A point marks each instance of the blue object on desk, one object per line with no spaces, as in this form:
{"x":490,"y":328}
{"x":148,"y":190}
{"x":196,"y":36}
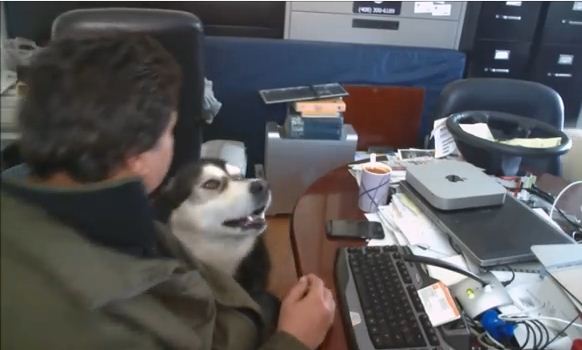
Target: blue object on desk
{"x":499,"y":329}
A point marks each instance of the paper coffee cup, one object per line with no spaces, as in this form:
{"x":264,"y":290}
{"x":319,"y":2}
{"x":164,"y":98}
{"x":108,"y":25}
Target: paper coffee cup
{"x":374,"y":186}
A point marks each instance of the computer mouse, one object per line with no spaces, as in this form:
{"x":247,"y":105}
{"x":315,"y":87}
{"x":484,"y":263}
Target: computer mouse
{"x":476,"y":298}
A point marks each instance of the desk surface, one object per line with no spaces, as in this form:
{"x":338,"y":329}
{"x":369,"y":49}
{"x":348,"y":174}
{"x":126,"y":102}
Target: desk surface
{"x":334,"y":196}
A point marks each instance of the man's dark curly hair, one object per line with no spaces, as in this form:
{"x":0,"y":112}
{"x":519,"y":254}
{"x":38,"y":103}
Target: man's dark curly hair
{"x":92,"y":102}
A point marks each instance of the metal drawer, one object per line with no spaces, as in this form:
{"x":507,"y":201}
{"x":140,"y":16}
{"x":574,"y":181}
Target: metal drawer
{"x":380,"y":30}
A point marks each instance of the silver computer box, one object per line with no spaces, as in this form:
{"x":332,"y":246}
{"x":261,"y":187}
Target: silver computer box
{"x":291,"y":165}
{"x":451,"y":184}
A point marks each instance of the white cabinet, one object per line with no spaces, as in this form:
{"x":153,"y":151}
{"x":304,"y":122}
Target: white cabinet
{"x":422,"y":24}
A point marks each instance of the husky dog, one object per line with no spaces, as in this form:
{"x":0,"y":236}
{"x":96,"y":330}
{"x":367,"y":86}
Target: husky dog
{"x":219,"y":217}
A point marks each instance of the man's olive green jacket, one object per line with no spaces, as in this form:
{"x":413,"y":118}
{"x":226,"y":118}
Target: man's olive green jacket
{"x":60,"y":291}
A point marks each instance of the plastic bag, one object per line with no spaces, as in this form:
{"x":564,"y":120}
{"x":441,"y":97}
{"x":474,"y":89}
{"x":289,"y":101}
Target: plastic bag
{"x":18,"y":52}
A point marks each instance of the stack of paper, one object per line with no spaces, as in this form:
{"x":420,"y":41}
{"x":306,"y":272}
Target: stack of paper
{"x":405,"y":224}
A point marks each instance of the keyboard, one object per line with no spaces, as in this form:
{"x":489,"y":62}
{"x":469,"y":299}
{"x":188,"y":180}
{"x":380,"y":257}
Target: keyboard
{"x":380,"y":305}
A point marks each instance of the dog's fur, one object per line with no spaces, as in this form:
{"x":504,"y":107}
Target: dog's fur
{"x":219,"y":218}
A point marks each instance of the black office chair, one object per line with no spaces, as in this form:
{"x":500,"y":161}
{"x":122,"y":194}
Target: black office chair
{"x":181,"y":34}
{"x":525,"y":98}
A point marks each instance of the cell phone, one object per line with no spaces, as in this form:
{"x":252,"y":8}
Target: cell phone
{"x":354,"y":229}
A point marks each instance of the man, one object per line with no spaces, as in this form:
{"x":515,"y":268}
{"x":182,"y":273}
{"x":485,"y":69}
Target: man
{"x":84,"y":266}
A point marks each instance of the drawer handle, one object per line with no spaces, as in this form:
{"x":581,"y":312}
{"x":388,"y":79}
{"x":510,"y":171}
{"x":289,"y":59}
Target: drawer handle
{"x":560,"y":75}
{"x":508,"y":18}
{"x":496,"y":70}
{"x":572,"y":23}
{"x":373,"y":24}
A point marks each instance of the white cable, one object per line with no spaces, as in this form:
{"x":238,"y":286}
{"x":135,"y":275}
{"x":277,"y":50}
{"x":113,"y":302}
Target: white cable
{"x":560,"y":195}
{"x":533,"y":318}
{"x":495,"y":342}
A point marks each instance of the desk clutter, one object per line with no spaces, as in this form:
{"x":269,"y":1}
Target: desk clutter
{"x":314,"y":112}
{"x":513,"y":274}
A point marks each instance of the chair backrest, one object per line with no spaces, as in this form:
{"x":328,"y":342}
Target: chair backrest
{"x":524,"y":98}
{"x":181,"y":34}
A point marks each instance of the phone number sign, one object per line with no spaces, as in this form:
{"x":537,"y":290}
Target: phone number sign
{"x":377,"y":7}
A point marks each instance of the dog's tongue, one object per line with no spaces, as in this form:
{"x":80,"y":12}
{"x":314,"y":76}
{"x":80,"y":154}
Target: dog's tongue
{"x":254,"y":222}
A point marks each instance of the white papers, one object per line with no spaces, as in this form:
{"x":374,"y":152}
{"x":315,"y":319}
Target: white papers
{"x":435,"y":8}
{"x":409,"y":226}
{"x":482,"y":130}
{"x":442,"y":10}
{"x":423,"y":6}
{"x":444,"y":144}
{"x":478,"y":129}
{"x":448,"y":277}
{"x":534,"y":142}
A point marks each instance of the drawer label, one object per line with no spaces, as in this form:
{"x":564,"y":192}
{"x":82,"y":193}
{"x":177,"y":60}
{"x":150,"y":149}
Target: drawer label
{"x":389,"y":8}
{"x":567,"y":60}
{"x":577,"y":6}
{"x":501,"y":54}
{"x":435,"y":8}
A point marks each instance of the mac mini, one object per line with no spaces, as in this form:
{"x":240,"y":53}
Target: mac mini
{"x":452,"y":185}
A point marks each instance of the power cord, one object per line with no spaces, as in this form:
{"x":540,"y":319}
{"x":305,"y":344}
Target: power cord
{"x":560,"y":332}
{"x":577,"y":227}
{"x":561,"y":194}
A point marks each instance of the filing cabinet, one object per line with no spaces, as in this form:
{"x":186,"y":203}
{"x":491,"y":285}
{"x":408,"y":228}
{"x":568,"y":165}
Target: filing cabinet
{"x":509,"y":20}
{"x":538,"y":41}
{"x":560,"y":67}
{"x":563,"y":23}
{"x":404,"y":23}
{"x":499,"y":59}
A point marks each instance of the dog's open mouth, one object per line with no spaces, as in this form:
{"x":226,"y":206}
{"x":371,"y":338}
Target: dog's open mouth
{"x":255,"y":221}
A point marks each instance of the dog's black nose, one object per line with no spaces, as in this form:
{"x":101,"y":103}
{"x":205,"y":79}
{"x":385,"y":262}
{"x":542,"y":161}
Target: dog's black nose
{"x":258,"y":187}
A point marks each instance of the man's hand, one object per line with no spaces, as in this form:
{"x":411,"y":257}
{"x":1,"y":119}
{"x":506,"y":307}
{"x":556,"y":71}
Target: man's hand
{"x":307,"y":311}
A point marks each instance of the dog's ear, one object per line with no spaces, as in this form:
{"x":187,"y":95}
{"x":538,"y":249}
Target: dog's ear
{"x":178,"y":188}
{"x":176,"y":192}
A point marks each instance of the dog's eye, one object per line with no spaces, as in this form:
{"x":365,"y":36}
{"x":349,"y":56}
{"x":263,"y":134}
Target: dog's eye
{"x":211,"y":184}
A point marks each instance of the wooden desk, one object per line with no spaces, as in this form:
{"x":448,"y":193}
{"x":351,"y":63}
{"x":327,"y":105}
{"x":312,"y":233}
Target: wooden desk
{"x":334,"y":196}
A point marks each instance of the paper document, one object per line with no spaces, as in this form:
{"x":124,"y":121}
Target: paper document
{"x":478,"y":129}
{"x":407,"y":225}
{"x":534,"y":142}
{"x":444,"y":144}
{"x":448,"y":277}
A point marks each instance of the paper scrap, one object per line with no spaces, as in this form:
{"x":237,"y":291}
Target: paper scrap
{"x":444,"y":144}
{"x":513,"y":3}
{"x":478,"y":129}
{"x":423,"y":6}
{"x":438,"y":304}
{"x":534,"y":142}
{"x":577,"y":6}
{"x":441,"y":10}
